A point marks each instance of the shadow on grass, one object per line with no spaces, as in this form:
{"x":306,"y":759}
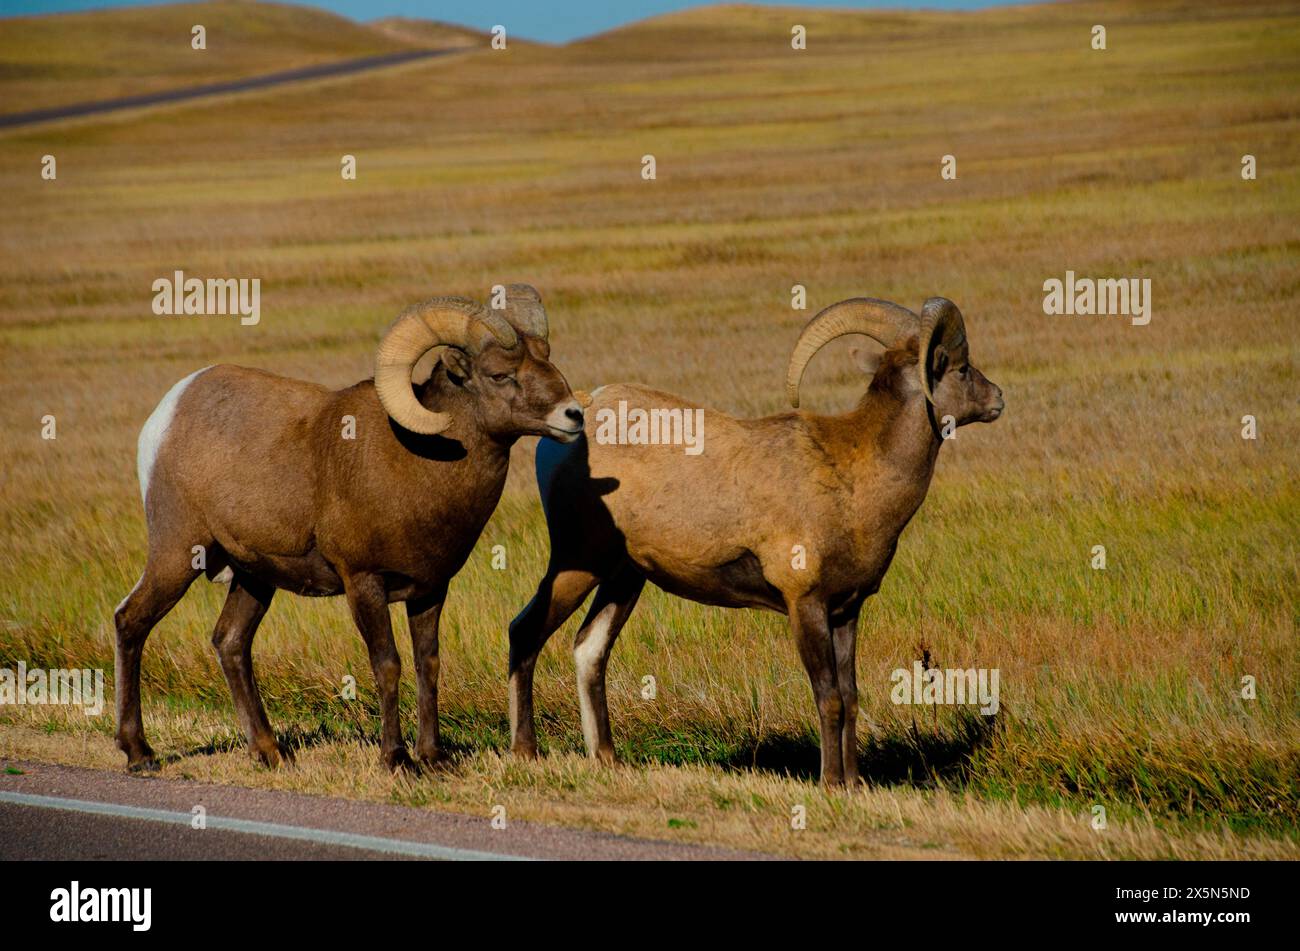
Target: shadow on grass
{"x":913,"y":756}
{"x":957,"y":750}
{"x":462,"y":734}
{"x":923,"y":758}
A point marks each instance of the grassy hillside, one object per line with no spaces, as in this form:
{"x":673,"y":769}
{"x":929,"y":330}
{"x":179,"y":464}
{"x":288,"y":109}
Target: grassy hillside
{"x":1120,"y":687}
{"x":78,"y":57}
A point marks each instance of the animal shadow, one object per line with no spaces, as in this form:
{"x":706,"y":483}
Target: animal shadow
{"x":910,"y":756}
{"x":295,"y":737}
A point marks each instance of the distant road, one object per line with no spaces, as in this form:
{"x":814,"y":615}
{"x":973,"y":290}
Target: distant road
{"x":52,"y":812}
{"x":216,"y":89}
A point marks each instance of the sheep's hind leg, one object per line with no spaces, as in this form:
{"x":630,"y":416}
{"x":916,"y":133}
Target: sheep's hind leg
{"x":245,"y":606}
{"x":610,"y":609}
{"x":165,"y":580}
{"x":558,"y":595}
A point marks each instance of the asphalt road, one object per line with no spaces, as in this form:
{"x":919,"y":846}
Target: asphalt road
{"x":66,"y":812}
{"x":318,"y":71}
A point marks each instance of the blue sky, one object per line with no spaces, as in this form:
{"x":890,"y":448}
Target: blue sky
{"x":554,"y":21}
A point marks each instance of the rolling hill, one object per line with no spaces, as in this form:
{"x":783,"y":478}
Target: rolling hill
{"x":79,"y":57}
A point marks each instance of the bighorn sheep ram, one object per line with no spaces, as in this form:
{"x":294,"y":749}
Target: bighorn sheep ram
{"x":722,"y":527}
{"x":378,"y":492}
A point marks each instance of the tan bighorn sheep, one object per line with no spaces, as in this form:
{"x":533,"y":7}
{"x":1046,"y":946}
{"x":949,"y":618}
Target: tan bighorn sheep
{"x":378,"y":492}
{"x":797,"y":513}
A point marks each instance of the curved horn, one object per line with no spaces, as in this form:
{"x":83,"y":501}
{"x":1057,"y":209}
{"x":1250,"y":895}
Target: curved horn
{"x":524,"y":310}
{"x":440,"y":322}
{"x":881,"y":320}
{"x":941,"y":323}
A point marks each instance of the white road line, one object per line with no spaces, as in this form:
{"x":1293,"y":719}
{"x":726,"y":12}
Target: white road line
{"x":273,"y":829}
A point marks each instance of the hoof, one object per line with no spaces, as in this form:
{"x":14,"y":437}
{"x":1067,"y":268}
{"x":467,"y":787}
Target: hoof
{"x":429,"y":758}
{"x":143,"y":764}
{"x":272,"y":756}
{"x":399,"y":760}
{"x":524,"y":750}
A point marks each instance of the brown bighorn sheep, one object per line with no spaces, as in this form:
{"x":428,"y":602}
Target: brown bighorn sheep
{"x":796,"y":513}
{"x":378,"y":491}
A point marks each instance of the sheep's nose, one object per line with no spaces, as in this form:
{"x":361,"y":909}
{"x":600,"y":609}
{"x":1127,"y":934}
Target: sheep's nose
{"x":574,"y":414}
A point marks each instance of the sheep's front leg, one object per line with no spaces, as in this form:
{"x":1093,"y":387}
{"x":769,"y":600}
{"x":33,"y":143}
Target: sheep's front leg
{"x":423,"y":616}
{"x":369,"y":602}
{"x":812,"y":634}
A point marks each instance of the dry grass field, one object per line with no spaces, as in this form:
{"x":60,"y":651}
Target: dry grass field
{"x":1121,"y":688}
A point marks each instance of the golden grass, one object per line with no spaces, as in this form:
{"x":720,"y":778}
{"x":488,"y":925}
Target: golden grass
{"x":1120,"y":688}
{"x":676,"y":803}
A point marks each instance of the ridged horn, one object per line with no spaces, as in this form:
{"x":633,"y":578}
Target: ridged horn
{"x":440,"y":322}
{"x":881,"y":320}
{"x":524,"y":310}
{"x":941,"y":323}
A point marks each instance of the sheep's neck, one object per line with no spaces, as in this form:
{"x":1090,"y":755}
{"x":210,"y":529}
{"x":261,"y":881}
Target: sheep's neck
{"x":889,"y":448}
{"x":490,"y":454}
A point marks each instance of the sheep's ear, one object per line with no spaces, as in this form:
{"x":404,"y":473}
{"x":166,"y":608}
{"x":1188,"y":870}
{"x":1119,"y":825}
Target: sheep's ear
{"x":866,"y":359}
{"x":938,"y":361}
{"x":457,"y":364}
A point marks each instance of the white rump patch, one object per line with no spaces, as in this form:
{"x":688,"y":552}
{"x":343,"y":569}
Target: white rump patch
{"x":155,"y":428}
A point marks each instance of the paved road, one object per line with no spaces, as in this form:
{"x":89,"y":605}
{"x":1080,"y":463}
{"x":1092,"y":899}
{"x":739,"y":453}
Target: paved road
{"x":65,"y":812}
{"x":216,"y":89}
